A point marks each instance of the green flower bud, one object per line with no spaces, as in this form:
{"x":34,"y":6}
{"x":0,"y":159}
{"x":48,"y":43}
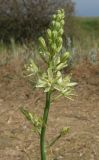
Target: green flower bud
{"x":59,"y":12}
{"x":53,"y":22}
{"x":59,"y":48}
{"x":62,"y":22}
{"x":54,"y":16}
{"x":64,"y":131}
{"x":57,"y":25}
{"x":59,"y":41}
{"x":54,"y":34}
{"x":50,"y":41}
{"x":61,"y":31}
{"x":62,"y":13}
{"x":54,"y":47}
{"x":65,"y":57}
{"x":42,"y":42}
{"x":59,"y":17}
{"x":67,"y":54}
{"x":62,"y":10}
{"x":49,"y":33}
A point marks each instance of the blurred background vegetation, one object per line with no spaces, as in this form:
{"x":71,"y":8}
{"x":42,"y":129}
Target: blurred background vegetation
{"x":26,"y":19}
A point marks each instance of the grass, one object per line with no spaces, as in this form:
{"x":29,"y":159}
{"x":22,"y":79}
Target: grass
{"x":88,"y":26}
{"x":18,"y":54}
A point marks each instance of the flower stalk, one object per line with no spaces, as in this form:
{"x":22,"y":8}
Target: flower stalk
{"x":43,"y":129}
{"x":50,"y":78}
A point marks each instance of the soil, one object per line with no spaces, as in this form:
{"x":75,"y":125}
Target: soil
{"x":18,"y":142}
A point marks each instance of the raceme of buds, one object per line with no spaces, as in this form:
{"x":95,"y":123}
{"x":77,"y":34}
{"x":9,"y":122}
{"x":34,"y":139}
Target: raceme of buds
{"x":55,"y":38}
{"x":54,"y":35}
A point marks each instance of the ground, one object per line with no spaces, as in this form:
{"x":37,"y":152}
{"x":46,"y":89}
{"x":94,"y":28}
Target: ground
{"x":18,"y":142}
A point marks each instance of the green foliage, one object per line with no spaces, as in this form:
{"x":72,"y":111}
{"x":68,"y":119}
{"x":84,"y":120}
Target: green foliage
{"x":90,"y":23}
{"x":87,"y":26}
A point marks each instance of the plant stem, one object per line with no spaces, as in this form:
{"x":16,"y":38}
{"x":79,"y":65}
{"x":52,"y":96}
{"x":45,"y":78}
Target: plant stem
{"x":43,"y":130}
{"x":53,"y":142}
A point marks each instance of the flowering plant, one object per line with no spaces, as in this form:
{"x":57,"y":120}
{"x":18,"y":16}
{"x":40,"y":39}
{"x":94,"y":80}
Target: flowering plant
{"x":51,"y":79}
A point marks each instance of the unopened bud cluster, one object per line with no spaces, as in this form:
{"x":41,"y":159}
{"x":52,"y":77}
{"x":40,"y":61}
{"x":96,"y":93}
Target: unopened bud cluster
{"x":55,"y":32}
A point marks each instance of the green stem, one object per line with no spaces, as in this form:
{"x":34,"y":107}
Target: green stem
{"x":43,"y":130}
{"x":53,"y":142}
